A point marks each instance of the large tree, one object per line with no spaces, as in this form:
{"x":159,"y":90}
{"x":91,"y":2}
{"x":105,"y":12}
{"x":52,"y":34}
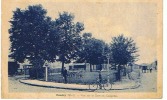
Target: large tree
{"x":69,"y":37}
{"x":85,"y":48}
{"x":31,"y":36}
{"x":91,"y":51}
{"x":123,"y":51}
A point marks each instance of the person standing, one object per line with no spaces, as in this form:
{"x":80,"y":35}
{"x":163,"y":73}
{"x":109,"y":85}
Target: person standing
{"x":100,"y":79}
{"x":150,"y":70}
{"x":65,"y":75}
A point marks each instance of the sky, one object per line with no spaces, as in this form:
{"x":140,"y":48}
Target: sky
{"x":109,"y":19}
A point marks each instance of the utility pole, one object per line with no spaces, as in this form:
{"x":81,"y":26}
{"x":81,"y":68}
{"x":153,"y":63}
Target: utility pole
{"x":108,"y":78}
{"x":46,"y":69}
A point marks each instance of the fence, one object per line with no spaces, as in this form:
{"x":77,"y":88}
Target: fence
{"x":80,"y":77}
{"x":85,"y":77}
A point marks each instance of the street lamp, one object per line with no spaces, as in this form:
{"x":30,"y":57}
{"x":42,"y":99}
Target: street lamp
{"x":24,"y":66}
{"x":108,"y":58}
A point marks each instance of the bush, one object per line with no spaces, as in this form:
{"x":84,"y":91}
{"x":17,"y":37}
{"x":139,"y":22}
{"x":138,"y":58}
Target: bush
{"x":36,"y":72}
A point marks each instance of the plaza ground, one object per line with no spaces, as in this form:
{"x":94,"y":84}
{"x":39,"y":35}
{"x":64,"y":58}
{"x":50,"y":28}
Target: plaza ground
{"x":148,"y":84}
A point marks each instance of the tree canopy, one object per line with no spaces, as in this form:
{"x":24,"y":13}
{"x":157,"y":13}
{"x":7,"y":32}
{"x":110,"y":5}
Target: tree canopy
{"x":123,"y":51}
{"x":69,"y":37}
{"x":34,"y":36}
{"x":29,"y":35}
{"x":91,"y":50}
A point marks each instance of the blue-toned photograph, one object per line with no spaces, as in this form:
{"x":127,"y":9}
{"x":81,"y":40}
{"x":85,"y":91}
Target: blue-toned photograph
{"x":83,"y":47}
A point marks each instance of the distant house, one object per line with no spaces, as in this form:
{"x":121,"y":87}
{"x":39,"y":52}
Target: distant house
{"x":57,"y":64}
{"x":153,"y":65}
{"x":86,"y":67}
{"x":132,"y":67}
{"x":78,"y":66}
{"x":136,"y":66}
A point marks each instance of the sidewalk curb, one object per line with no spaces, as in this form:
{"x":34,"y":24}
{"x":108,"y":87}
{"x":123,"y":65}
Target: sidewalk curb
{"x":50,"y":86}
{"x":32,"y":84}
{"x":133,"y":87}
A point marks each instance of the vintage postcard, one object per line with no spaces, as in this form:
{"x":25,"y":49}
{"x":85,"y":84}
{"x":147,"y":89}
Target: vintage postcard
{"x":82,"y":49}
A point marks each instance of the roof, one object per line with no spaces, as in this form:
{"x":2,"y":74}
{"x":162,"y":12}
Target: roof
{"x":27,"y":65}
{"x":77,"y":64}
{"x":144,"y":64}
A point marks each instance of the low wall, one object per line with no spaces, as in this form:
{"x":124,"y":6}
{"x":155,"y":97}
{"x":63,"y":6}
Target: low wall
{"x":82,"y":77}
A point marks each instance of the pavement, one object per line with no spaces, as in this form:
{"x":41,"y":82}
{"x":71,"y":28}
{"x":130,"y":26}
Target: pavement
{"x":122,"y":85}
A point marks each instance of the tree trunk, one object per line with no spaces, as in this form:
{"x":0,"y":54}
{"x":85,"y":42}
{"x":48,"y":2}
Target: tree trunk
{"x":131,"y":68}
{"x":37,"y":71}
{"x":115,"y":67}
{"x":62,"y":67}
{"x":90,"y":67}
{"x":124,"y":71}
{"x":38,"y":64}
{"x":119,"y":73}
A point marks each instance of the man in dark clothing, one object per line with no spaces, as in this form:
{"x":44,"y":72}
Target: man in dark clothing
{"x":150,"y":70}
{"x":100,"y":79}
{"x":65,"y":75}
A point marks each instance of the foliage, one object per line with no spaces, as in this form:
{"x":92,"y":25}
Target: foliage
{"x":69,"y":37}
{"x":123,"y":51}
{"x":34,"y":36}
{"x":30,"y":36}
{"x":91,"y":50}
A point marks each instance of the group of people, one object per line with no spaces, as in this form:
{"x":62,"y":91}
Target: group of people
{"x":145,"y":69}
